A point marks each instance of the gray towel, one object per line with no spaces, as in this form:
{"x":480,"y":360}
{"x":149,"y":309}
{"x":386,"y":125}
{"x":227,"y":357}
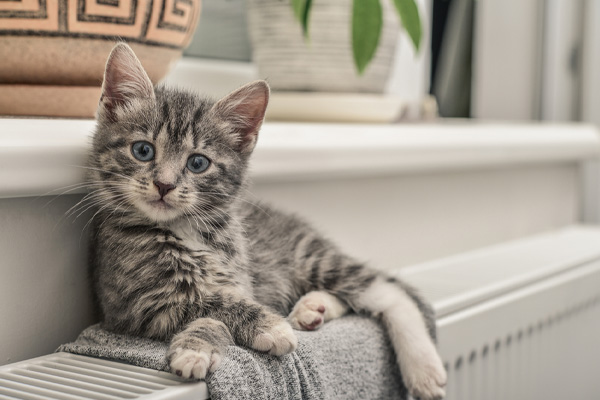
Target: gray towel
{"x":348,"y":358}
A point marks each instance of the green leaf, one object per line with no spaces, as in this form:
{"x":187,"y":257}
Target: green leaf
{"x":366,"y":28}
{"x":307,"y":6}
{"x":409,"y":16}
{"x":298,"y":7}
{"x":301,"y":12}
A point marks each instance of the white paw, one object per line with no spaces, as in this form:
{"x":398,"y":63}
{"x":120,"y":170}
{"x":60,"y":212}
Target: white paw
{"x":426,"y":379}
{"x":277,"y":340}
{"x":190,"y":364}
{"x":307,"y":315}
{"x":314,"y":309}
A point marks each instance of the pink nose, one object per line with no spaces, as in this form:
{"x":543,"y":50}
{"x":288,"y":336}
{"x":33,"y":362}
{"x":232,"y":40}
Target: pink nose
{"x":163,"y":188}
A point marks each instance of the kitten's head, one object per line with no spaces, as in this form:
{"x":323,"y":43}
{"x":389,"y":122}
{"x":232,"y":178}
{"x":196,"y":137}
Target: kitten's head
{"x":165,"y":153}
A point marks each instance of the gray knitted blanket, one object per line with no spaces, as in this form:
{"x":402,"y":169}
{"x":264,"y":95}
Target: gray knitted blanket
{"x":348,"y":358}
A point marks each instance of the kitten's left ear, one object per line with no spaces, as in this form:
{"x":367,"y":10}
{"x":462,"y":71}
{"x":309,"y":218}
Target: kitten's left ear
{"x":244,"y":111}
{"x":124,"y":81}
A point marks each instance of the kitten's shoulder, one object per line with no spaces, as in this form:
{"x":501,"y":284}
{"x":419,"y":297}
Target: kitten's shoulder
{"x":262,"y":219}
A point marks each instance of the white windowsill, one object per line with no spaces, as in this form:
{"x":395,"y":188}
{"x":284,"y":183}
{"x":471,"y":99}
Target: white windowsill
{"x":38,"y":156}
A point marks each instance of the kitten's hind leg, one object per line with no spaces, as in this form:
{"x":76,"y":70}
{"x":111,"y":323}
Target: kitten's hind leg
{"x":409,"y":320}
{"x":199,"y":348}
{"x":314,"y":309}
{"x":403,"y":312}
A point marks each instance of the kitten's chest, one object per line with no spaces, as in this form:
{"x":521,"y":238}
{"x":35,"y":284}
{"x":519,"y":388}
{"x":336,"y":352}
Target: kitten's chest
{"x":215,"y":267}
{"x":191,"y":240}
{"x":195,"y":242}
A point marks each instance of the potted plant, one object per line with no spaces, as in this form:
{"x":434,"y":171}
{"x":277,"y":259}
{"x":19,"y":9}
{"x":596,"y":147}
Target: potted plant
{"x":338,"y":46}
{"x":366,"y":25}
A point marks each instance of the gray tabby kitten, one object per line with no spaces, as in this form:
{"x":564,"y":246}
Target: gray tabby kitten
{"x":179,"y":255}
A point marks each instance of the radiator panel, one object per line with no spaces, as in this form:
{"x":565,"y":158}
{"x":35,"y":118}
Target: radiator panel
{"x":66,"y":376}
{"x":534,"y":363}
{"x":538,"y":340}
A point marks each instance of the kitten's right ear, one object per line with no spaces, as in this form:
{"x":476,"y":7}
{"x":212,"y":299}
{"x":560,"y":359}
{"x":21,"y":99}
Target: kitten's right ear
{"x":124,"y":81}
{"x":244,"y":111}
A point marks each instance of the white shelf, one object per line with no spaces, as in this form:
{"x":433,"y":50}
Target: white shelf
{"x":38,"y":156}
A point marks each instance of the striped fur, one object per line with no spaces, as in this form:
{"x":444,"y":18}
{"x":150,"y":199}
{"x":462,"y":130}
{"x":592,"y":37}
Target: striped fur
{"x":205,"y":267}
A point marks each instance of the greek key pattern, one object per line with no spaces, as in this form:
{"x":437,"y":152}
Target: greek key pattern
{"x":161,"y":22}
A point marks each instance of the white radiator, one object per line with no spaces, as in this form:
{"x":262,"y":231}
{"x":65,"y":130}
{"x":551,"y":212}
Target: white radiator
{"x":64,"y":376}
{"x":517,"y":321}
{"x":520,"y":320}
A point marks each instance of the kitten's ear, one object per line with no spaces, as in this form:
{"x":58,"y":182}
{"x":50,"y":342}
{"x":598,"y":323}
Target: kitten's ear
{"x":124,"y":81}
{"x":243,"y":111}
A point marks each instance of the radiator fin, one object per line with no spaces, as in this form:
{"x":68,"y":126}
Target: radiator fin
{"x":64,"y":376}
{"x":531,"y":362}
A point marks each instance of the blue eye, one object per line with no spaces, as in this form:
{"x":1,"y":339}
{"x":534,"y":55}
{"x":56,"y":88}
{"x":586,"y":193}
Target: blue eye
{"x":197,"y":163}
{"x":143,"y":151}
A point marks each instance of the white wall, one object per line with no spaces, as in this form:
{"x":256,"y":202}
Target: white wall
{"x":397,"y":220}
{"x":44,"y":294}
{"x":506,"y":54}
{"x":537,"y":60}
{"x":590,"y":86}
{"x":560,"y":65}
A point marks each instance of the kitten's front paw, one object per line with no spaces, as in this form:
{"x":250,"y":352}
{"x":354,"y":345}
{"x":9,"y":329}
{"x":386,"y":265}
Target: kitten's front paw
{"x":277,"y":340}
{"x":426,"y":379}
{"x":190,"y":364}
{"x":198,"y":349}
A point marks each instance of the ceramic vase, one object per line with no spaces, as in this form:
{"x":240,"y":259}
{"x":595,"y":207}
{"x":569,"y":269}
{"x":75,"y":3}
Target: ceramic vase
{"x":53,"y":52}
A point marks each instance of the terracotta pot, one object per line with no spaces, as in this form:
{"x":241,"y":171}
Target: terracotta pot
{"x":324,"y":62}
{"x":59,"y":48}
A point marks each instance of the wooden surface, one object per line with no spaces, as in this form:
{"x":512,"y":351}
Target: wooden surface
{"x":49,"y":101}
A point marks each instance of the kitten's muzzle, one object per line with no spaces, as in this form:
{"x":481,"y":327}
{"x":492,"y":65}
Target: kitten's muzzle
{"x":163,"y":188}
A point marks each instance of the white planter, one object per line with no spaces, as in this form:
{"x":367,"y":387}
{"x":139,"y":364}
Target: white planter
{"x":324,"y":62}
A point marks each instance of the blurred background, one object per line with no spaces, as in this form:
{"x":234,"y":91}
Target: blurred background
{"x":393,"y":60}
{"x":499,"y":60}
